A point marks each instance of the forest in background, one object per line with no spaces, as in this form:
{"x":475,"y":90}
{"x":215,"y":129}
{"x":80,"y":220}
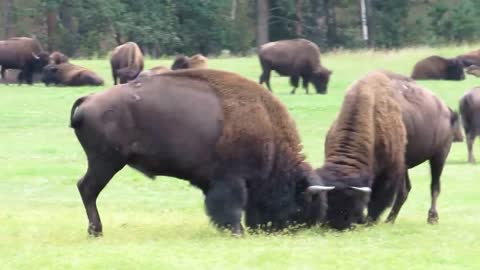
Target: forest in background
{"x":91,"y":28}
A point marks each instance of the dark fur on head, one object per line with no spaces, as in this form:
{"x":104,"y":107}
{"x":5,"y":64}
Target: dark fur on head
{"x":127,"y":74}
{"x":455,"y":69}
{"x":320,"y":79}
{"x":181,"y":62}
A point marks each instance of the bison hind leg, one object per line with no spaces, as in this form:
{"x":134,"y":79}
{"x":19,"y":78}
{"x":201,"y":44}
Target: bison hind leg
{"x":225,"y":201}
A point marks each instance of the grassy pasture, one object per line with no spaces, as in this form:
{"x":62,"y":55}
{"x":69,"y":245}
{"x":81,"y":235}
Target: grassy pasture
{"x":161,"y":224}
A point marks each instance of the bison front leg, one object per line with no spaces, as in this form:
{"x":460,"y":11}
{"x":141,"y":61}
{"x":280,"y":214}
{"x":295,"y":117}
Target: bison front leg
{"x":400,"y":199}
{"x":294,"y":82}
{"x":383,"y":193}
{"x":98,"y":175}
{"x":225,"y":202}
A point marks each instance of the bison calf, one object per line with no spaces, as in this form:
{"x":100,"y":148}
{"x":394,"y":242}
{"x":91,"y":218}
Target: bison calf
{"x":126,"y":62}
{"x":438,"y":68}
{"x":297,"y":58}
{"x":224,"y":134}
{"x":70,"y":75}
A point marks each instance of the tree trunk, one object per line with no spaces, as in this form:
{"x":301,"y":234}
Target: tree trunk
{"x":299,"y":15}
{"x":370,"y":23}
{"x":10,"y":19}
{"x":234,"y":10}
{"x":331,"y":23}
{"x":51,"y":28}
{"x":363,"y":17}
{"x":262,"y":22}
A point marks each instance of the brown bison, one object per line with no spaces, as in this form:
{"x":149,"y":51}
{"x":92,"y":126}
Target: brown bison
{"x":223,"y":133}
{"x":294,"y":58}
{"x":364,"y":152}
{"x":126,"y":62}
{"x":470,"y":114}
{"x":58,"y":58}
{"x":473,"y":70}
{"x":470,"y":58}
{"x":70,"y":75}
{"x":438,"y":68}
{"x":184,"y":62}
{"x":153,"y":71}
{"x":431,"y":127}
{"x":25,"y":54}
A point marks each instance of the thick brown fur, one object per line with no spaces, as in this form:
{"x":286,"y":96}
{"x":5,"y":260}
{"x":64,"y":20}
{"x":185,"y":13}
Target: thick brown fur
{"x":438,"y":68}
{"x":126,"y":62}
{"x":153,"y":71}
{"x":365,"y":147}
{"x":70,"y":75}
{"x":58,"y":58}
{"x":195,"y":61}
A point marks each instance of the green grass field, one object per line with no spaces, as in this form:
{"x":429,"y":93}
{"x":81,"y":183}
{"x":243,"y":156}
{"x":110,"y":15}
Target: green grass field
{"x":161,"y":224}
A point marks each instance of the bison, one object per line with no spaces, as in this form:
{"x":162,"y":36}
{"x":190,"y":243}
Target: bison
{"x":294,"y":58}
{"x":25,"y":54}
{"x":70,"y":75}
{"x":58,"y":58}
{"x":126,"y":62}
{"x":223,"y":133}
{"x":470,"y":114}
{"x":364,"y":152}
{"x":153,"y":71}
{"x":431,"y":128}
{"x":438,"y":68}
{"x":184,"y":62}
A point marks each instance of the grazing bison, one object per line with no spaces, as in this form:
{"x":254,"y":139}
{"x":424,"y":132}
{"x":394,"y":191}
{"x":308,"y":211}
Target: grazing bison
{"x":431,"y":127}
{"x":126,"y":62}
{"x":294,"y":58}
{"x":222,"y":133}
{"x":70,"y":75}
{"x":184,"y":62}
{"x":22,"y":53}
{"x":438,"y":68}
{"x":58,"y":58}
{"x":470,"y":114}
{"x":364,"y":152}
{"x":153,"y":71}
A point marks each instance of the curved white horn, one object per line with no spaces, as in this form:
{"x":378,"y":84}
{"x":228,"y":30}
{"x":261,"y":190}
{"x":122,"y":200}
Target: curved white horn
{"x":362,"y":189}
{"x":315,"y":189}
{"x":35,"y":55}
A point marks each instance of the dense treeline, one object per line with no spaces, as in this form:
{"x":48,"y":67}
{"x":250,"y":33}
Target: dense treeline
{"x":165,"y":27}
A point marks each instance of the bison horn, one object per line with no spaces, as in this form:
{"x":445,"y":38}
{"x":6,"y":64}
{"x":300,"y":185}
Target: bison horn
{"x":316,"y":189}
{"x":362,"y":189}
{"x":35,"y":56}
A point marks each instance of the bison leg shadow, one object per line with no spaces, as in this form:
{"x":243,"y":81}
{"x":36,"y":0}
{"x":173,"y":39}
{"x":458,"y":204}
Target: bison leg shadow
{"x":98,"y":175}
{"x":225,"y":202}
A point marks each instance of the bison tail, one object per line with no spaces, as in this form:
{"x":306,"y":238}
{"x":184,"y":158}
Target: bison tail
{"x":75,"y":116}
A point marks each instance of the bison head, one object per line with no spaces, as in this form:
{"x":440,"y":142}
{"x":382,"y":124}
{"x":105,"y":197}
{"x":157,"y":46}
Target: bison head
{"x":50,"y":74}
{"x":279,"y":206}
{"x":347,"y":200}
{"x":320,"y":80}
{"x":181,"y":62}
{"x":127,"y":74}
{"x":455,"y":70}
{"x":40,"y":60}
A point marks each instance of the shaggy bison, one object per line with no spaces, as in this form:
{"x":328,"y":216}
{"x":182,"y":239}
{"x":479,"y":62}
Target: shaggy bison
{"x":184,"y":62}
{"x":22,"y":53}
{"x":438,"y":68}
{"x":294,"y":58}
{"x":58,"y":58}
{"x":431,"y":127}
{"x":69,"y":74}
{"x":364,"y":152}
{"x":470,"y":113}
{"x":126,"y":62}
{"x":224,"y":134}
{"x":153,"y":71}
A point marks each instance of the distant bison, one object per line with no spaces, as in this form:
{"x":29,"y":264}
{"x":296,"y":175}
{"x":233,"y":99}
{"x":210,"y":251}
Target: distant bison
{"x":25,"y":54}
{"x":153,"y":71}
{"x":473,"y":70}
{"x":470,"y":113}
{"x":470,"y":58}
{"x":126,"y":62}
{"x":221,"y":132}
{"x":58,"y":58}
{"x":70,"y":75}
{"x":294,"y":58}
{"x":438,"y":68}
{"x":431,"y":127}
{"x":184,"y":62}
{"x":364,"y":152}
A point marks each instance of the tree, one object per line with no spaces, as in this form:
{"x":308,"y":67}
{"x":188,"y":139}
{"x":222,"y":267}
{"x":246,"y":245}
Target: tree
{"x":262,"y":28}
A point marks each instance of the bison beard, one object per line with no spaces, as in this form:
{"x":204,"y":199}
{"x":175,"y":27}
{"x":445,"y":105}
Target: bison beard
{"x":244,"y":157}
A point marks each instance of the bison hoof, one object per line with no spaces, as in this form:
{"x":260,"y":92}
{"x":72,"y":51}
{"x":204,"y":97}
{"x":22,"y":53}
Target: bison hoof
{"x":432,"y":217}
{"x":237,"y":231}
{"x":93,"y":232}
